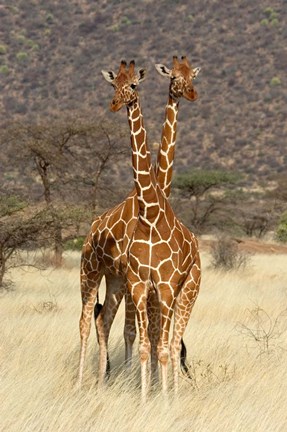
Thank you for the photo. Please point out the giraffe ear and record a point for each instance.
(163, 70)
(109, 75)
(141, 75)
(196, 72)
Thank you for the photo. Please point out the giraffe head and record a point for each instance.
(125, 84)
(181, 75)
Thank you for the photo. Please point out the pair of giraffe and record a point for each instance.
(140, 246)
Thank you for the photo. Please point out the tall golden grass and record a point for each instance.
(239, 381)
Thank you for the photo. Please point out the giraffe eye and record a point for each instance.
(133, 86)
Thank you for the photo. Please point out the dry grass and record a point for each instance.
(237, 386)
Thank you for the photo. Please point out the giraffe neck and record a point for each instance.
(144, 175)
(165, 155)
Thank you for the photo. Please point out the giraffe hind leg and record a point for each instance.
(153, 312)
(129, 329)
(97, 310)
(183, 307)
(115, 289)
(183, 364)
(166, 301)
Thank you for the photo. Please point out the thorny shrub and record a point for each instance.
(227, 256)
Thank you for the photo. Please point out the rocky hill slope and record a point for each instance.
(52, 52)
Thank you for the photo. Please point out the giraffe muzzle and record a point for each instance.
(115, 105)
(191, 95)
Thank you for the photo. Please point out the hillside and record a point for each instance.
(52, 52)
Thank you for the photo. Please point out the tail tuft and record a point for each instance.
(183, 364)
(97, 309)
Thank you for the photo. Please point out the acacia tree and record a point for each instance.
(251, 212)
(105, 146)
(20, 225)
(255, 223)
(199, 187)
(47, 147)
(259, 211)
(69, 156)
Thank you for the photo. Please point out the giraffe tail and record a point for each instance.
(183, 364)
(97, 309)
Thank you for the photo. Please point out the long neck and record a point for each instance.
(165, 154)
(144, 175)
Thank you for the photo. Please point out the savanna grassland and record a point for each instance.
(236, 352)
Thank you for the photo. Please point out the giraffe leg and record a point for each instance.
(138, 290)
(153, 312)
(130, 329)
(166, 301)
(183, 308)
(90, 282)
(115, 289)
(97, 309)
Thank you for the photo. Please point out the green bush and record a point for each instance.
(50, 18)
(30, 43)
(21, 39)
(126, 21)
(274, 22)
(75, 244)
(4, 70)
(269, 11)
(271, 17)
(276, 81)
(11, 204)
(281, 232)
(190, 17)
(264, 22)
(35, 47)
(3, 49)
(22, 56)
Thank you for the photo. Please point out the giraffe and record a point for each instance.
(162, 254)
(104, 251)
(181, 78)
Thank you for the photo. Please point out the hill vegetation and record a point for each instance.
(52, 52)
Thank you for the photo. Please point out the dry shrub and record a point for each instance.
(227, 256)
(267, 332)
